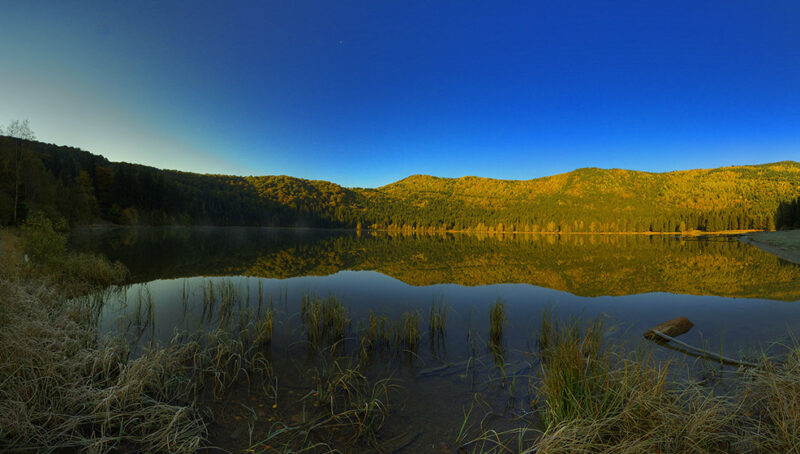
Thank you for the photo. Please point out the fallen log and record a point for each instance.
(672, 328)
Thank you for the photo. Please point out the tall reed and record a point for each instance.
(438, 318)
(497, 322)
(407, 334)
(325, 319)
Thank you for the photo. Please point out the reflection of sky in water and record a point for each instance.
(729, 323)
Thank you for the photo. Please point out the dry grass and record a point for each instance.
(61, 388)
(634, 409)
(64, 388)
(599, 400)
(771, 396)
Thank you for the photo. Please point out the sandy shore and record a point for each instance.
(784, 244)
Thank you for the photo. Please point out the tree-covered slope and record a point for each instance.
(82, 188)
(594, 199)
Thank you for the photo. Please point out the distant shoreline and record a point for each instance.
(691, 233)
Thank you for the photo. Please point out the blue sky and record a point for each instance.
(365, 93)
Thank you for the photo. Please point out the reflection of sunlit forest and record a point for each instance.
(586, 265)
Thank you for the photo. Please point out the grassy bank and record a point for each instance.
(788, 239)
(784, 243)
(61, 386)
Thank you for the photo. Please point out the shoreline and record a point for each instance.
(689, 233)
(783, 244)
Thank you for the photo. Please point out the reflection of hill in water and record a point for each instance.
(586, 265)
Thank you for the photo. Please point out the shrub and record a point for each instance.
(41, 240)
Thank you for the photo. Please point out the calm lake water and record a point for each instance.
(740, 299)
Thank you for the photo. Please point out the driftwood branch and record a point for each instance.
(704, 353)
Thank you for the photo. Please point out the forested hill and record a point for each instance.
(82, 187)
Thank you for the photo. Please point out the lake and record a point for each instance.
(740, 299)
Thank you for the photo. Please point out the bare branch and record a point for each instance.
(20, 130)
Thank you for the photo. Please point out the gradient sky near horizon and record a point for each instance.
(365, 93)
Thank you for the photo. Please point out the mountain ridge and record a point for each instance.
(422, 176)
(83, 187)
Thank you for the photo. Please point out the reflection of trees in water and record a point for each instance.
(587, 265)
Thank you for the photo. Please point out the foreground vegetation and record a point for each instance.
(63, 387)
(85, 188)
(595, 399)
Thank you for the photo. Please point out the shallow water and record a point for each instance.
(740, 299)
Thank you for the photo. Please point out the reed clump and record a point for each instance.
(407, 334)
(497, 322)
(264, 328)
(438, 318)
(594, 398)
(376, 336)
(343, 411)
(325, 319)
